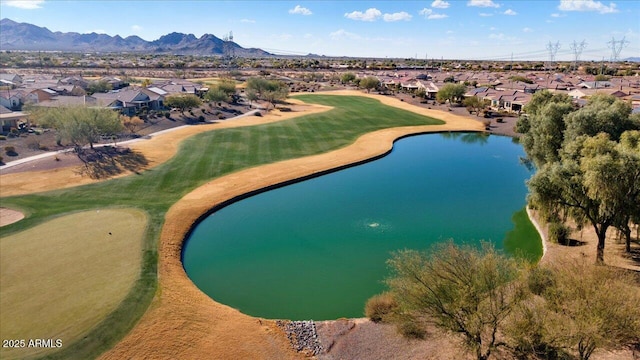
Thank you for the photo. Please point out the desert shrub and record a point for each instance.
(1, 160)
(500, 120)
(380, 307)
(33, 145)
(10, 150)
(411, 329)
(201, 118)
(258, 114)
(539, 280)
(559, 232)
(43, 147)
(2, 137)
(530, 330)
(167, 115)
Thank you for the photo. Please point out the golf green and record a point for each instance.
(317, 249)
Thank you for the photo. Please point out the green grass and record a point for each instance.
(524, 240)
(200, 159)
(106, 265)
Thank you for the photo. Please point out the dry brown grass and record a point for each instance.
(57, 284)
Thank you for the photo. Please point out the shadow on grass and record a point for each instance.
(109, 161)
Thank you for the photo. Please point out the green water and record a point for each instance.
(317, 249)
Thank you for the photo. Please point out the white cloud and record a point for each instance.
(556, 15)
(510, 12)
(439, 4)
(300, 10)
(371, 14)
(136, 27)
(343, 34)
(248, 21)
(527, 30)
(497, 36)
(429, 14)
(399, 16)
(587, 5)
(23, 4)
(483, 3)
(485, 14)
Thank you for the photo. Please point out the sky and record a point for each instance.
(435, 29)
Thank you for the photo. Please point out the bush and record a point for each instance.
(258, 114)
(559, 233)
(1, 160)
(2, 137)
(201, 118)
(539, 280)
(410, 329)
(380, 307)
(10, 150)
(167, 115)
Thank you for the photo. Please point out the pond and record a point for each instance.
(317, 249)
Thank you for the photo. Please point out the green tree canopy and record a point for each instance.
(473, 103)
(347, 77)
(268, 90)
(182, 101)
(466, 291)
(79, 125)
(369, 83)
(451, 92)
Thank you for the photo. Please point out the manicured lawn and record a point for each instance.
(200, 159)
(58, 283)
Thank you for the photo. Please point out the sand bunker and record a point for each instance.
(9, 216)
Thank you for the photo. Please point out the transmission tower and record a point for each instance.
(228, 49)
(616, 48)
(577, 51)
(553, 50)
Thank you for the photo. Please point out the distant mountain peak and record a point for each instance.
(25, 36)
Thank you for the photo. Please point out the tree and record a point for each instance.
(216, 95)
(227, 86)
(80, 125)
(101, 86)
(581, 176)
(132, 124)
(347, 77)
(182, 102)
(252, 96)
(543, 127)
(588, 185)
(461, 290)
(451, 93)
(268, 90)
(146, 83)
(473, 103)
(369, 82)
(597, 309)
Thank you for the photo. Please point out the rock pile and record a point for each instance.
(302, 335)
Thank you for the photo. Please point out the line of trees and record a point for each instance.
(588, 162)
(497, 303)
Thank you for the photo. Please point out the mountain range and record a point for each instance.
(24, 36)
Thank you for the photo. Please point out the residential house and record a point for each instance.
(10, 119)
(39, 95)
(128, 102)
(64, 100)
(12, 99)
(11, 79)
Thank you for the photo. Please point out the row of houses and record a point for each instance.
(507, 91)
(48, 91)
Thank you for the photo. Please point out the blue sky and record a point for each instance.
(450, 29)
